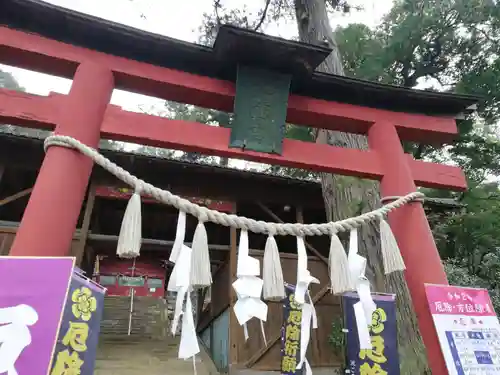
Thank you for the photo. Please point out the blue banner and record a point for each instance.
(383, 358)
(76, 346)
(290, 333)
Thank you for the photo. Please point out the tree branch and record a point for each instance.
(263, 16)
(419, 152)
(216, 9)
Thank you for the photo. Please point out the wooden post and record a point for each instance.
(16, 196)
(79, 250)
(50, 218)
(234, 328)
(300, 219)
(413, 234)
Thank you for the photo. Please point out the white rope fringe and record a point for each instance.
(338, 265)
(201, 274)
(222, 218)
(393, 261)
(272, 274)
(130, 237)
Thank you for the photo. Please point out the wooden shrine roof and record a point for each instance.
(39, 17)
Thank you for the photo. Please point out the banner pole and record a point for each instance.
(131, 302)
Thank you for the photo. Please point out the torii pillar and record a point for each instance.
(414, 236)
(50, 218)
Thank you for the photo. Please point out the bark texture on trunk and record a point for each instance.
(348, 196)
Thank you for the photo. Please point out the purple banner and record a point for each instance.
(383, 358)
(290, 333)
(77, 343)
(32, 297)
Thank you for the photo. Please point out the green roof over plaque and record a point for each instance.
(263, 82)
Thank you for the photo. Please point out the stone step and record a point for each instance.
(150, 349)
(140, 357)
(149, 317)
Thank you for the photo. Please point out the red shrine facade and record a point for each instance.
(146, 277)
(120, 276)
(99, 58)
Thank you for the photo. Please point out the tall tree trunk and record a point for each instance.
(347, 196)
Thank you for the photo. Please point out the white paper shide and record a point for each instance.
(248, 288)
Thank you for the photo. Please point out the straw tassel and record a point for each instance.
(272, 274)
(338, 265)
(129, 240)
(393, 261)
(201, 275)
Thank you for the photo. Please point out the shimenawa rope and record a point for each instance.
(197, 268)
(205, 214)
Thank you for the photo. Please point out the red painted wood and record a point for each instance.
(438, 176)
(413, 234)
(355, 119)
(111, 266)
(23, 109)
(50, 218)
(191, 136)
(33, 52)
(112, 192)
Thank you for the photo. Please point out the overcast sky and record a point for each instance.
(180, 21)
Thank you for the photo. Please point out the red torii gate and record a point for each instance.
(51, 215)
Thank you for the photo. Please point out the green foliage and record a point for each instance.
(336, 339)
(451, 44)
(459, 274)
(362, 53)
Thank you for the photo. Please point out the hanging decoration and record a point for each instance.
(201, 274)
(248, 288)
(393, 261)
(309, 318)
(364, 309)
(192, 265)
(180, 234)
(272, 273)
(338, 265)
(188, 346)
(130, 237)
(304, 277)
